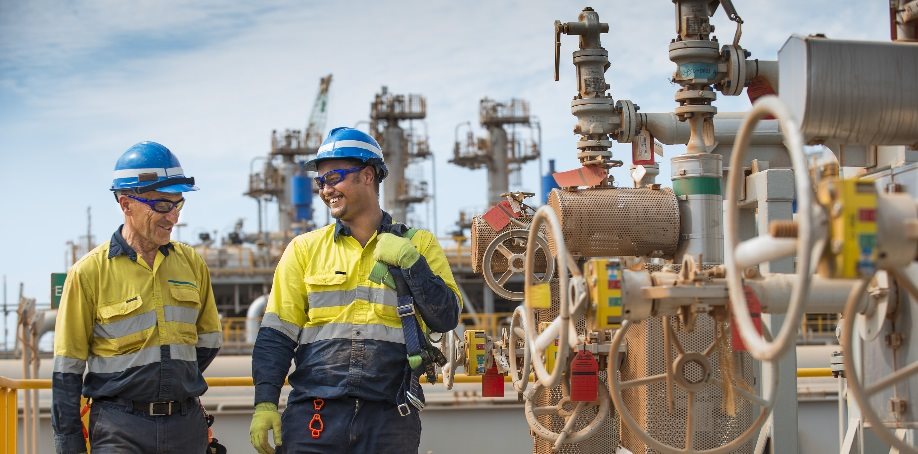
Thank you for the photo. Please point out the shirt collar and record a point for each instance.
(119, 246)
(385, 226)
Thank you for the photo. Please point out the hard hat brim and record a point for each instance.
(177, 188)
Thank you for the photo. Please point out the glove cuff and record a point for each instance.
(265, 406)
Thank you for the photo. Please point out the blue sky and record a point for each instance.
(81, 81)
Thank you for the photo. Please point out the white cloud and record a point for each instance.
(83, 81)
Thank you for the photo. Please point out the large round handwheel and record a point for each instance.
(454, 351)
(570, 416)
(515, 262)
(519, 331)
(861, 392)
(672, 378)
(560, 331)
(764, 248)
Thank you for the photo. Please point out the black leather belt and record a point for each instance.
(161, 408)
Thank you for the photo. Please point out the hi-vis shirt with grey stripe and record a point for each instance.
(139, 332)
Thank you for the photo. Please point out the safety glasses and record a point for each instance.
(160, 205)
(333, 177)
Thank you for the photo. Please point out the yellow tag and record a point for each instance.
(538, 296)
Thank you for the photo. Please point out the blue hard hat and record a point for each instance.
(149, 166)
(350, 143)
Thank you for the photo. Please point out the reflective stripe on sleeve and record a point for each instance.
(271, 320)
(183, 352)
(349, 331)
(124, 327)
(67, 365)
(210, 340)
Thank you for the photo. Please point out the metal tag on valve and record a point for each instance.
(492, 383)
(538, 296)
(584, 377)
(503, 365)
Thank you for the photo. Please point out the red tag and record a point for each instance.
(755, 311)
(584, 176)
(642, 152)
(499, 215)
(492, 383)
(584, 377)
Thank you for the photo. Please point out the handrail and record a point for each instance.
(9, 387)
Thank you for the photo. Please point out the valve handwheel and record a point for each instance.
(560, 331)
(740, 255)
(691, 383)
(508, 245)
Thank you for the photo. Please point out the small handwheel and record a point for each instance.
(561, 330)
(764, 248)
(511, 246)
(569, 415)
(861, 391)
(454, 351)
(675, 375)
(519, 333)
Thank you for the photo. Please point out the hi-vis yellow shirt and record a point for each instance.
(343, 329)
(141, 333)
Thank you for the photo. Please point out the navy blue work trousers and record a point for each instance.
(351, 426)
(115, 427)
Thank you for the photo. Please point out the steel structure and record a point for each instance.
(401, 149)
(501, 152)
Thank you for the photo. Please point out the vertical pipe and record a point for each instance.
(396, 161)
(498, 171)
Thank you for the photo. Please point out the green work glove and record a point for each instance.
(395, 250)
(266, 418)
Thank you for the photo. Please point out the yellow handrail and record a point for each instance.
(9, 395)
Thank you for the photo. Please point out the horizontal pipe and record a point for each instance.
(825, 296)
(666, 128)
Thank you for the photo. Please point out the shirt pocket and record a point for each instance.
(384, 301)
(326, 293)
(125, 321)
(184, 312)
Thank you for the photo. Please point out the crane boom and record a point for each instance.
(315, 127)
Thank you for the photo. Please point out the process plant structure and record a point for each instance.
(404, 150)
(665, 319)
(513, 139)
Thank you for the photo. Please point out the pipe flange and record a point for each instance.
(735, 81)
(628, 129)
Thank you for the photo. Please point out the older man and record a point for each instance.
(139, 311)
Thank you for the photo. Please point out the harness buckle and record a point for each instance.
(405, 310)
(418, 403)
(154, 406)
(403, 410)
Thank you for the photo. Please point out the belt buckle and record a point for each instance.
(403, 410)
(153, 411)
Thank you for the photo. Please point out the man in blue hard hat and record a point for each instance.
(342, 306)
(138, 316)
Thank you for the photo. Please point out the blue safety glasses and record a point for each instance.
(162, 206)
(333, 177)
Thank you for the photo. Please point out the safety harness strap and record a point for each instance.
(410, 390)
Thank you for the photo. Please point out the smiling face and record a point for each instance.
(147, 229)
(352, 195)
